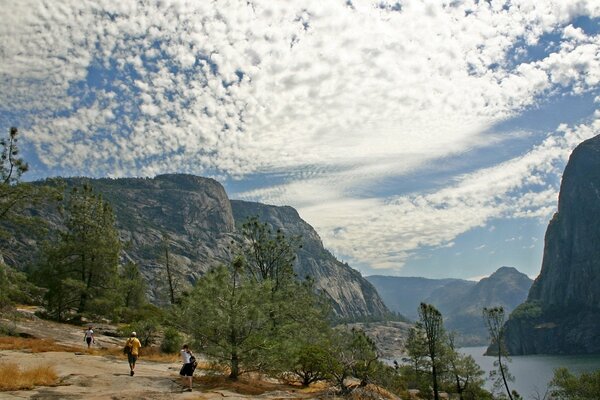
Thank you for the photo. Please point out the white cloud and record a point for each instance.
(331, 96)
(385, 232)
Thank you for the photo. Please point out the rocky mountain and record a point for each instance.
(200, 221)
(562, 312)
(404, 294)
(461, 302)
(506, 287)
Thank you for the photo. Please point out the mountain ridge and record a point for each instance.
(198, 216)
(461, 301)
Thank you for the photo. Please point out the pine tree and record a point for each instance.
(494, 321)
(80, 269)
(432, 324)
(227, 314)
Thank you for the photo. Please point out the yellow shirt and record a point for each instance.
(135, 345)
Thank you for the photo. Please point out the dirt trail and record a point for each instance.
(83, 375)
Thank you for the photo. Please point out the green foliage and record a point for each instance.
(432, 326)
(80, 270)
(15, 196)
(352, 354)
(269, 256)
(172, 341)
(567, 386)
(228, 316)
(11, 166)
(15, 288)
(147, 330)
(527, 310)
(131, 287)
(465, 376)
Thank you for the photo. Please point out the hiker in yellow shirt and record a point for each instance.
(132, 347)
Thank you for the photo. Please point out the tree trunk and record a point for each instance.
(169, 278)
(502, 373)
(235, 368)
(436, 394)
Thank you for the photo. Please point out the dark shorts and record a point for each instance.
(187, 370)
(88, 340)
(131, 358)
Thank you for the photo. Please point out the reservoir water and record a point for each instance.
(532, 373)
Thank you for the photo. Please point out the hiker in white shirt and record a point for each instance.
(89, 337)
(189, 365)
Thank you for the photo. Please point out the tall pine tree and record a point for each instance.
(80, 269)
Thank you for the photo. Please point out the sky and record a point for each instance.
(419, 138)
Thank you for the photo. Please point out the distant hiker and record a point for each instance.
(132, 347)
(88, 337)
(189, 365)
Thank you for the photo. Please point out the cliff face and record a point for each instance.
(562, 312)
(353, 295)
(198, 217)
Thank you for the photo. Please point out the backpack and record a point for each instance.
(127, 348)
(193, 361)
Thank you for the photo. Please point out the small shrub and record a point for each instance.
(172, 341)
(14, 378)
(527, 310)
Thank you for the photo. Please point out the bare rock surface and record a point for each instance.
(83, 375)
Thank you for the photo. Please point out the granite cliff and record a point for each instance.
(201, 222)
(562, 312)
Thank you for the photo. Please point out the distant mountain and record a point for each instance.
(506, 287)
(460, 301)
(404, 294)
(202, 223)
(562, 312)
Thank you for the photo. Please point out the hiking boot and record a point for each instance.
(131, 373)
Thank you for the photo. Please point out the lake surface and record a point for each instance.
(532, 373)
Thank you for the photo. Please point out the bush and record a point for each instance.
(172, 341)
(147, 331)
(527, 310)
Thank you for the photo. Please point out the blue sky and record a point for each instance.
(418, 137)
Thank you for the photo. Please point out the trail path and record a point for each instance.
(86, 376)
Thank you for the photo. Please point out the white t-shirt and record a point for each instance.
(89, 333)
(185, 356)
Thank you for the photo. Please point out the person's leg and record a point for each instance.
(131, 358)
(133, 364)
(190, 382)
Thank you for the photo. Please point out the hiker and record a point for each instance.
(88, 337)
(189, 365)
(132, 347)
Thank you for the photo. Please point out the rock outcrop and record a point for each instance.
(198, 217)
(562, 312)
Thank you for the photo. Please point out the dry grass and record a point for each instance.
(249, 386)
(33, 345)
(14, 378)
(146, 353)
